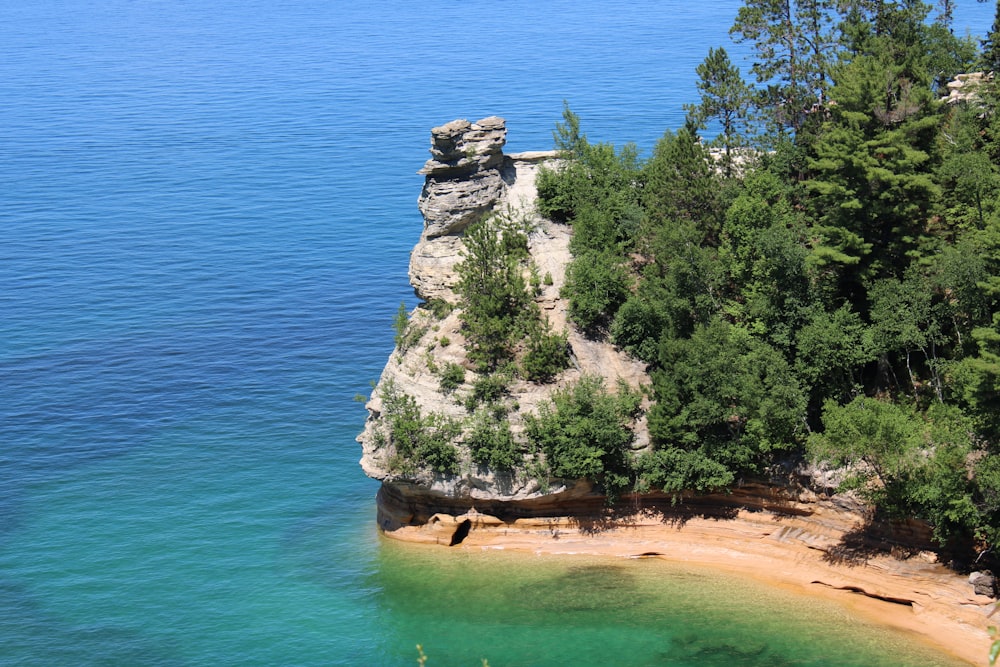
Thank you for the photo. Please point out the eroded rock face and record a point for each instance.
(793, 520)
(466, 177)
(464, 155)
(965, 87)
(983, 583)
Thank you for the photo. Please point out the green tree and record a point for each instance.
(452, 376)
(870, 25)
(991, 45)
(585, 433)
(882, 435)
(968, 176)
(491, 442)
(679, 184)
(764, 252)
(596, 285)
(680, 288)
(419, 441)
(567, 137)
(546, 355)
(976, 378)
(911, 464)
(725, 97)
(407, 334)
(728, 395)
(904, 320)
(832, 349)
(792, 41)
(674, 470)
(592, 176)
(496, 305)
(872, 190)
(637, 327)
(946, 13)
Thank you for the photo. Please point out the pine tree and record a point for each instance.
(991, 45)
(794, 43)
(770, 25)
(724, 97)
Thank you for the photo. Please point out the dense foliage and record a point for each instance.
(585, 432)
(824, 283)
(418, 439)
(497, 308)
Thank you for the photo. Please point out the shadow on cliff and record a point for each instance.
(880, 536)
(610, 519)
(665, 509)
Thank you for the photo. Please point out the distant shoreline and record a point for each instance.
(912, 594)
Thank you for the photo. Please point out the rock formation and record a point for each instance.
(466, 177)
(797, 529)
(983, 583)
(965, 87)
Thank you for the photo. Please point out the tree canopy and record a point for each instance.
(836, 296)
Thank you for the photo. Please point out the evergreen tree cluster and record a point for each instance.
(821, 280)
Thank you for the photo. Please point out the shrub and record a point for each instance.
(596, 285)
(536, 280)
(547, 355)
(400, 323)
(491, 442)
(440, 308)
(418, 440)
(585, 433)
(637, 327)
(406, 333)
(674, 470)
(452, 375)
(436, 448)
(488, 389)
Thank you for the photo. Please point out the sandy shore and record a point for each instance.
(798, 553)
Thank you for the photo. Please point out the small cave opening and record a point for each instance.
(461, 532)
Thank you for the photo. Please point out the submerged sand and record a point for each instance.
(910, 592)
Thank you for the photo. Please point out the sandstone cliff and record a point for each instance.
(467, 177)
(794, 530)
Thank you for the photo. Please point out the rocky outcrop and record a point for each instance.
(468, 176)
(796, 530)
(983, 583)
(965, 87)
(465, 178)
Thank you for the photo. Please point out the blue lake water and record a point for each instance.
(206, 210)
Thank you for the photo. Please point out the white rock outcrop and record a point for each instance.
(467, 177)
(965, 87)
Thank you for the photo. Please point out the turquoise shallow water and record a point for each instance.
(578, 610)
(205, 215)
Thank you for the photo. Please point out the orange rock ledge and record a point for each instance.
(807, 544)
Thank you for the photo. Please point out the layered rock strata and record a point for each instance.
(466, 177)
